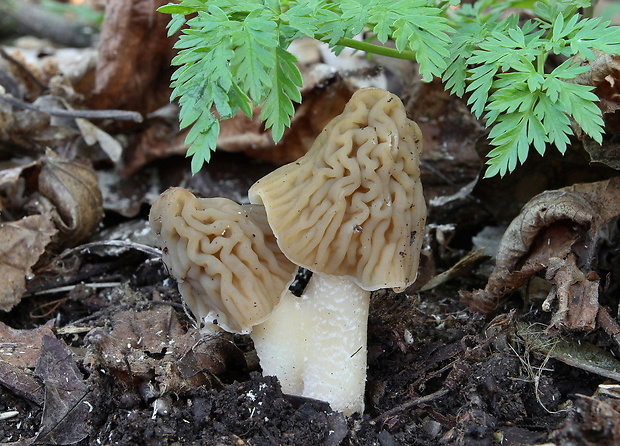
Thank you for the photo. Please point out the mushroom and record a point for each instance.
(224, 256)
(351, 210)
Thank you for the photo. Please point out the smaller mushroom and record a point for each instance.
(224, 256)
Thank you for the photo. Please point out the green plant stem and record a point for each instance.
(540, 63)
(376, 49)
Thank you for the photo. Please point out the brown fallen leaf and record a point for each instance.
(19, 352)
(22, 382)
(555, 231)
(22, 348)
(13, 187)
(74, 191)
(22, 242)
(66, 411)
(152, 346)
(574, 295)
(323, 99)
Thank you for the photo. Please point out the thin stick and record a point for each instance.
(414, 402)
(118, 115)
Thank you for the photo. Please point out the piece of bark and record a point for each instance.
(133, 69)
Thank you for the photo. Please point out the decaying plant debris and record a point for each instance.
(510, 341)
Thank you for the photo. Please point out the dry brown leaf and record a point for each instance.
(21, 244)
(160, 139)
(21, 381)
(19, 352)
(22, 348)
(74, 191)
(13, 187)
(575, 295)
(323, 99)
(152, 344)
(604, 76)
(555, 231)
(138, 342)
(67, 413)
(93, 135)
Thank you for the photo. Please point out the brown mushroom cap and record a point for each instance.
(353, 205)
(224, 255)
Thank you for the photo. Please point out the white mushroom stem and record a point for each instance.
(316, 344)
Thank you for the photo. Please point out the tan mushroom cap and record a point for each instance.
(224, 255)
(353, 205)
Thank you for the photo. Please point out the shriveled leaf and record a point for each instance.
(574, 295)
(544, 236)
(74, 191)
(21, 244)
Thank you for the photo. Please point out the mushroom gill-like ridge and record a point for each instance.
(324, 210)
(224, 255)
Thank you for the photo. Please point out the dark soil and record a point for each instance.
(437, 375)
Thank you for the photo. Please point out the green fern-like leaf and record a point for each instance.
(278, 107)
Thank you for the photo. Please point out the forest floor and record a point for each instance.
(509, 342)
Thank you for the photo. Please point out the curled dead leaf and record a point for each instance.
(556, 231)
(21, 244)
(74, 191)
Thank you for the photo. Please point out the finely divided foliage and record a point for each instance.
(233, 57)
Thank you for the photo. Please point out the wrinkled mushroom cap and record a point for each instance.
(224, 255)
(353, 205)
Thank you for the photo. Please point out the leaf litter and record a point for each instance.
(96, 346)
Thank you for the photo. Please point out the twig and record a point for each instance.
(171, 304)
(118, 115)
(608, 324)
(153, 252)
(62, 289)
(414, 402)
